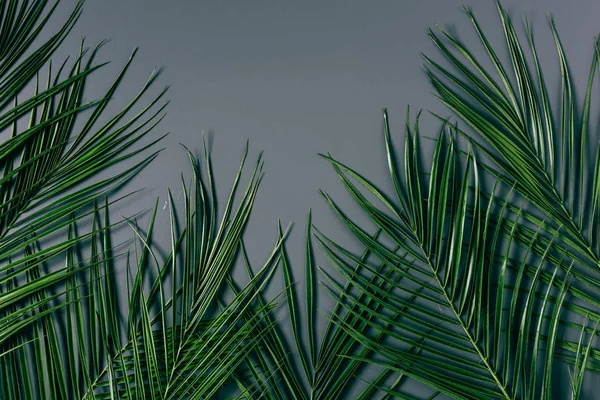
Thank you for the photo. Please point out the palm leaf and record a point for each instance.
(45, 192)
(201, 349)
(540, 151)
(457, 312)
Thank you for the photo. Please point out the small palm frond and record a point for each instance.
(195, 343)
(330, 366)
(448, 304)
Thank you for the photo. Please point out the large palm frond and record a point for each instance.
(46, 162)
(546, 153)
(454, 300)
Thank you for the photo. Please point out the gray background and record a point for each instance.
(296, 78)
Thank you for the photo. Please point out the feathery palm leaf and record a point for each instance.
(548, 155)
(449, 306)
(46, 163)
(194, 344)
(44, 190)
(178, 340)
(322, 367)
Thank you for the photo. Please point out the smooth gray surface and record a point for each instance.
(296, 79)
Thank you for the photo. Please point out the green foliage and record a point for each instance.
(484, 292)
(458, 289)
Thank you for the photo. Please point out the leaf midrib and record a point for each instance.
(465, 329)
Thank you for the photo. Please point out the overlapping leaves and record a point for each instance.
(468, 290)
(50, 150)
(546, 153)
(456, 302)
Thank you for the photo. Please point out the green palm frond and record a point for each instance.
(327, 366)
(546, 153)
(179, 339)
(45, 190)
(478, 291)
(188, 349)
(448, 304)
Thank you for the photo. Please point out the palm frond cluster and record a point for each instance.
(478, 277)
